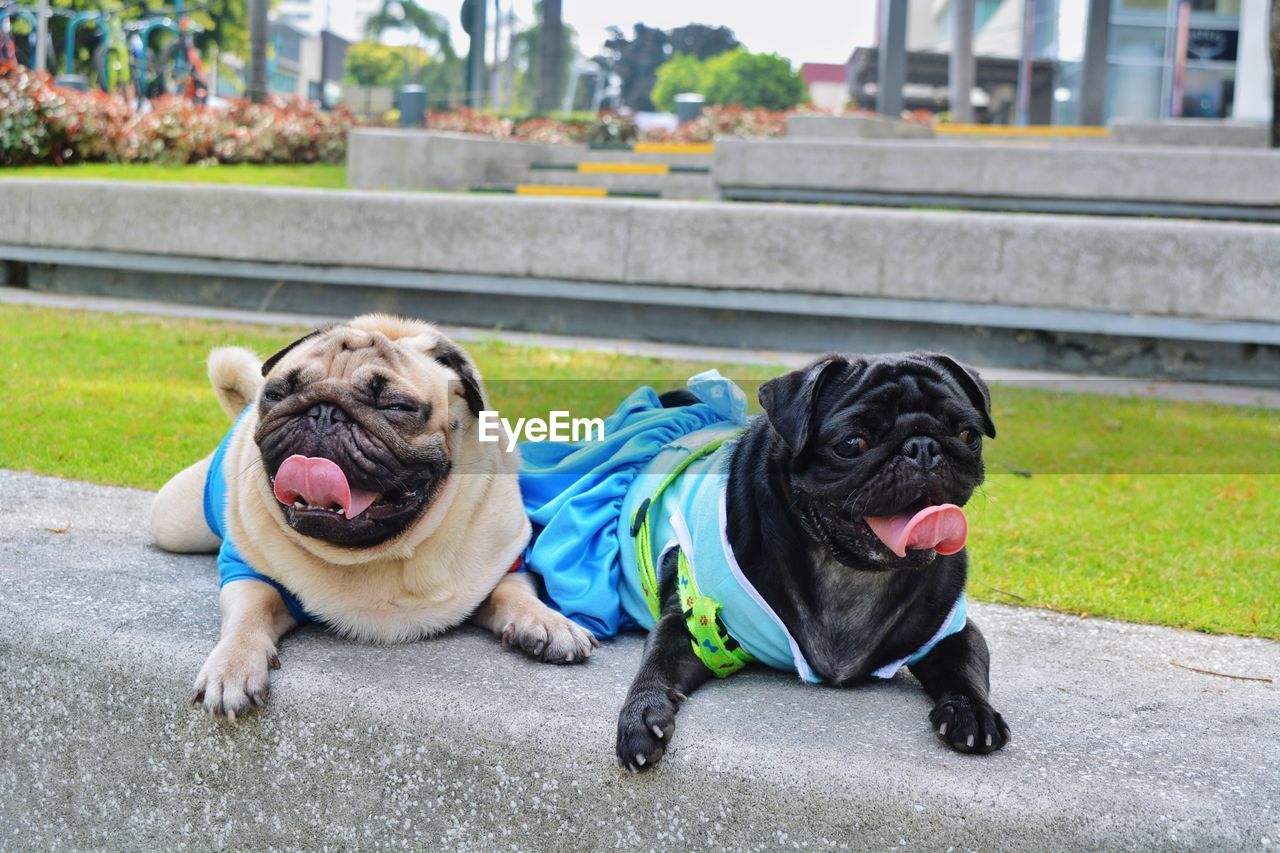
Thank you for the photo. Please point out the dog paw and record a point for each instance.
(645, 727)
(968, 725)
(235, 678)
(550, 637)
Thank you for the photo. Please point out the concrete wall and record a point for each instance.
(939, 167)
(853, 127)
(388, 159)
(1142, 266)
(1204, 133)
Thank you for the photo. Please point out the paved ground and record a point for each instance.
(1111, 386)
(457, 743)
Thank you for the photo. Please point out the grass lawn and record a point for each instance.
(317, 175)
(1137, 509)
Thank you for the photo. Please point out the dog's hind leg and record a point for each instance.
(177, 515)
(955, 674)
(669, 673)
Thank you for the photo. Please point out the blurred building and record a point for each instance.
(1225, 41)
(828, 84)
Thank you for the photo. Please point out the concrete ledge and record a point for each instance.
(853, 127)
(945, 167)
(987, 335)
(389, 159)
(1193, 270)
(1207, 133)
(456, 743)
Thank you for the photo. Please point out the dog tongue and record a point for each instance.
(942, 528)
(320, 482)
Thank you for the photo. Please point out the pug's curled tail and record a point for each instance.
(236, 375)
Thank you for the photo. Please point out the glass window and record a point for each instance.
(1208, 92)
(1133, 91)
(1137, 42)
(1140, 6)
(1216, 7)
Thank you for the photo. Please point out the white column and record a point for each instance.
(1253, 65)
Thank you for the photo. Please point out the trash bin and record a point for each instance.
(688, 106)
(413, 106)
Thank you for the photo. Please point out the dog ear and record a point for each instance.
(789, 400)
(969, 380)
(270, 363)
(452, 357)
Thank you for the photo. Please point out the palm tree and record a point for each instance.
(429, 29)
(409, 16)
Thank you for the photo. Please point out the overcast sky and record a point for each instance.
(800, 30)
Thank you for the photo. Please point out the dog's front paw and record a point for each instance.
(645, 726)
(235, 678)
(549, 636)
(969, 725)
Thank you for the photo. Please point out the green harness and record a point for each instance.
(712, 644)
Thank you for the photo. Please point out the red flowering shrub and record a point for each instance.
(41, 123)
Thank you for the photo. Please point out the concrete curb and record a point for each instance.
(456, 743)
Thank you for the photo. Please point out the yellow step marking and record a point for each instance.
(949, 129)
(543, 189)
(613, 168)
(674, 148)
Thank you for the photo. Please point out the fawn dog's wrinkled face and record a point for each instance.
(883, 453)
(354, 426)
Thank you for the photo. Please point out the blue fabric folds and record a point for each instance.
(573, 494)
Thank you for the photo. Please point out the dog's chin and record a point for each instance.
(851, 542)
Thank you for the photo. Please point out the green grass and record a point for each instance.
(317, 175)
(1137, 509)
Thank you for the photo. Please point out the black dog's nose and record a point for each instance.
(925, 451)
(324, 416)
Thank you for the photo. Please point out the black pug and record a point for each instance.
(845, 439)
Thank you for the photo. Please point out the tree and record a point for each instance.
(551, 55)
(680, 73)
(372, 64)
(753, 80)
(736, 77)
(636, 62)
(408, 16)
(442, 78)
(527, 47)
(701, 41)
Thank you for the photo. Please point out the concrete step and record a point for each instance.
(455, 743)
(676, 185)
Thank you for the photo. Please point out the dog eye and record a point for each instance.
(271, 395)
(852, 446)
(398, 407)
(970, 437)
